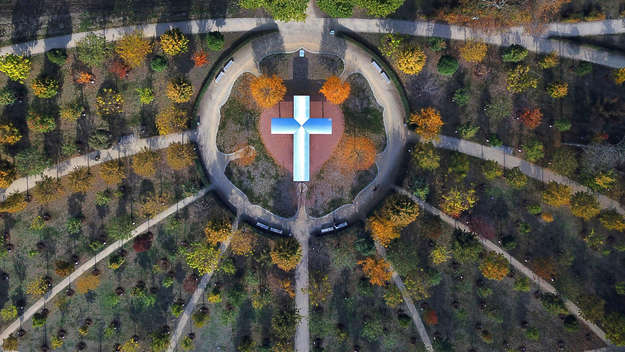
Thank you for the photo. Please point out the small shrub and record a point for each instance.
(522, 284)
(39, 319)
(558, 90)
(461, 96)
(9, 134)
(72, 112)
(563, 125)
(146, 95)
(447, 65)
(100, 139)
(437, 44)
(57, 56)
(179, 90)
(516, 178)
(473, 51)
(550, 61)
(39, 122)
(336, 8)
(215, 41)
(158, 64)
(120, 69)
(583, 68)
(514, 53)
(16, 67)
(410, 60)
(109, 102)
(199, 59)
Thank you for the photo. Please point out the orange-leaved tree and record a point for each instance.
(397, 212)
(494, 266)
(335, 90)
(7, 173)
(531, 118)
(355, 153)
(377, 270)
(200, 58)
(267, 91)
(428, 123)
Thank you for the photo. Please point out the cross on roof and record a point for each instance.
(301, 126)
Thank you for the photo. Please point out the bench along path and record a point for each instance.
(416, 318)
(91, 262)
(118, 151)
(199, 291)
(542, 284)
(504, 157)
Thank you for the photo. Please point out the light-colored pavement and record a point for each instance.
(118, 151)
(504, 157)
(197, 294)
(516, 35)
(416, 318)
(91, 262)
(542, 284)
(301, 232)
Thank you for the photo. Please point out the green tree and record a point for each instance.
(534, 150)
(57, 56)
(336, 8)
(425, 156)
(120, 227)
(516, 178)
(564, 161)
(31, 161)
(372, 330)
(281, 10)
(461, 96)
(8, 312)
(447, 65)
(379, 8)
(514, 53)
(93, 50)
(465, 247)
(499, 108)
(215, 41)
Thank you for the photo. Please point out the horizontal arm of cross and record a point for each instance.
(284, 126)
(318, 126)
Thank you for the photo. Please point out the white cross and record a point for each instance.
(301, 126)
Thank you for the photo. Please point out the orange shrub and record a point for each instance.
(428, 123)
(200, 59)
(355, 153)
(84, 78)
(531, 118)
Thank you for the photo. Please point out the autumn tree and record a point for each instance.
(45, 87)
(335, 90)
(473, 51)
(113, 172)
(267, 91)
(410, 60)
(286, 253)
(80, 179)
(584, 205)
(440, 255)
(612, 220)
(179, 90)
(558, 89)
(199, 59)
(180, 156)
(14, 203)
(619, 76)
(531, 118)
(9, 134)
(40, 122)
(144, 163)
(133, 49)
(494, 266)
(556, 194)
(355, 153)
(217, 231)
(201, 257)
(550, 61)
(171, 120)
(16, 67)
(377, 270)
(120, 69)
(430, 317)
(425, 156)
(109, 102)
(520, 79)
(7, 173)
(428, 123)
(84, 78)
(155, 202)
(455, 201)
(48, 189)
(143, 242)
(385, 224)
(87, 282)
(242, 243)
(173, 42)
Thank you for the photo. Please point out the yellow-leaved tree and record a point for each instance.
(286, 253)
(473, 51)
(133, 48)
(144, 163)
(171, 120)
(556, 194)
(217, 231)
(410, 60)
(455, 201)
(180, 156)
(113, 172)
